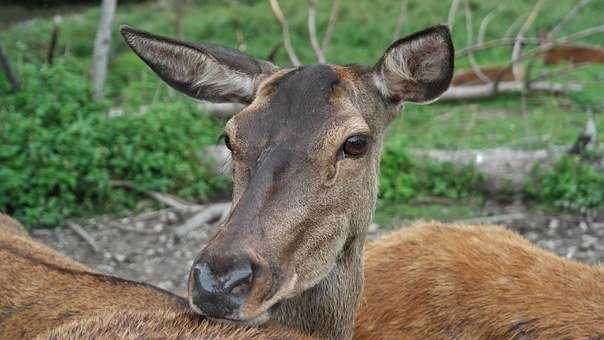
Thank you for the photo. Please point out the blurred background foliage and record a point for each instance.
(59, 150)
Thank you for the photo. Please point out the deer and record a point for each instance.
(439, 281)
(305, 155)
(45, 295)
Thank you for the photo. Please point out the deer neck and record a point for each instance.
(328, 309)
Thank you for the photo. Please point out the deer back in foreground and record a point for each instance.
(48, 296)
(305, 161)
(435, 281)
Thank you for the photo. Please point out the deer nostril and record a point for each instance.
(239, 282)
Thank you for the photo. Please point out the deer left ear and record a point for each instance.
(417, 68)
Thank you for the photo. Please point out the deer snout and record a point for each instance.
(220, 286)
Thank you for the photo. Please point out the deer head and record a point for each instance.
(305, 157)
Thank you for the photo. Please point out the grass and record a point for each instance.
(361, 34)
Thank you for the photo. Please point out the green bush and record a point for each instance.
(405, 177)
(571, 184)
(59, 150)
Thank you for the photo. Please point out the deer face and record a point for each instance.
(305, 160)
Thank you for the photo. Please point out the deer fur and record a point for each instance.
(438, 281)
(44, 295)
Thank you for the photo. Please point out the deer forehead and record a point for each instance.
(308, 107)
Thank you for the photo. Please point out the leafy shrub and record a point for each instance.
(571, 184)
(59, 150)
(405, 177)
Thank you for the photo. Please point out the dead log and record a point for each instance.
(485, 91)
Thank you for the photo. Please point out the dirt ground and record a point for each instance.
(146, 248)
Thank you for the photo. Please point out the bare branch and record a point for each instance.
(517, 49)
(582, 34)
(494, 43)
(508, 32)
(568, 17)
(312, 32)
(101, 48)
(14, 81)
(400, 20)
(452, 12)
(285, 32)
(333, 17)
(484, 91)
(485, 22)
(167, 199)
(205, 216)
(221, 110)
(470, 33)
(84, 236)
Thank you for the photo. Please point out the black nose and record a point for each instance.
(221, 285)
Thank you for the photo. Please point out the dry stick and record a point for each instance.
(517, 49)
(84, 236)
(470, 33)
(312, 32)
(53, 40)
(568, 17)
(528, 40)
(101, 48)
(485, 22)
(333, 17)
(512, 27)
(8, 70)
(483, 91)
(400, 20)
(285, 32)
(169, 200)
(210, 213)
(452, 12)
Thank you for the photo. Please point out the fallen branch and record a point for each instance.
(211, 213)
(84, 236)
(287, 43)
(220, 110)
(167, 199)
(471, 92)
(493, 219)
(470, 33)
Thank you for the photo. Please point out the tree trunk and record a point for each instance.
(8, 70)
(101, 48)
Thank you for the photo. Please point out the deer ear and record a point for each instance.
(209, 72)
(417, 68)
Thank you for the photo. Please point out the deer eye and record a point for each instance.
(227, 142)
(356, 146)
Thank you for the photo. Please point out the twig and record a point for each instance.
(273, 53)
(133, 230)
(483, 91)
(568, 17)
(312, 32)
(54, 38)
(169, 200)
(333, 17)
(494, 218)
(452, 12)
(508, 32)
(517, 49)
(470, 33)
(400, 20)
(494, 43)
(485, 22)
(285, 32)
(210, 213)
(84, 236)
(13, 79)
(582, 34)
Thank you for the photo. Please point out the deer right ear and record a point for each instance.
(209, 72)
(417, 68)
